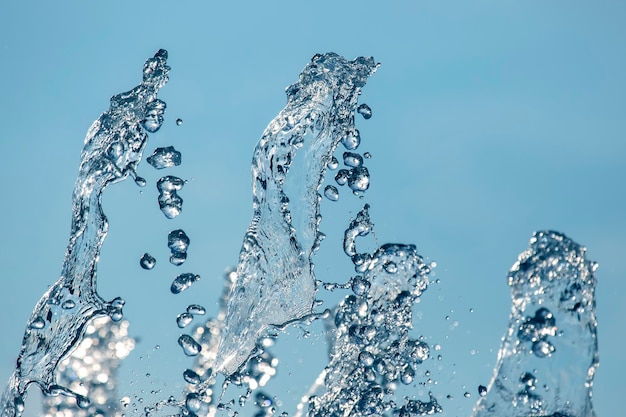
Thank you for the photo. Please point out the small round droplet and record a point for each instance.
(331, 193)
(82, 402)
(467, 395)
(482, 390)
(407, 376)
(147, 261)
(37, 323)
(365, 111)
(190, 346)
(184, 319)
(179, 122)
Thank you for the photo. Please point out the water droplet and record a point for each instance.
(82, 402)
(352, 139)
(196, 309)
(342, 176)
(190, 346)
(164, 158)
(467, 394)
(367, 155)
(179, 122)
(184, 319)
(193, 402)
(360, 286)
(37, 323)
(331, 193)
(147, 261)
(263, 400)
(140, 181)
(352, 159)
(68, 304)
(191, 377)
(170, 203)
(333, 163)
(178, 241)
(115, 309)
(153, 118)
(183, 281)
(359, 179)
(482, 390)
(365, 111)
(408, 374)
(366, 358)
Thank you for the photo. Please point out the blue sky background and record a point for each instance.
(491, 120)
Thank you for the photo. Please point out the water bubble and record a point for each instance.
(37, 323)
(331, 193)
(164, 158)
(147, 261)
(365, 111)
(183, 281)
(333, 163)
(196, 309)
(179, 122)
(184, 319)
(153, 118)
(68, 304)
(367, 155)
(191, 377)
(352, 139)
(342, 176)
(359, 179)
(352, 159)
(190, 346)
(482, 390)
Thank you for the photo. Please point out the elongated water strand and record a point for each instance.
(113, 148)
(549, 354)
(275, 282)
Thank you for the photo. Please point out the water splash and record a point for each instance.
(549, 354)
(275, 282)
(113, 148)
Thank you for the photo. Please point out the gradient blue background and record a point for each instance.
(492, 119)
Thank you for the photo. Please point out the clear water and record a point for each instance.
(545, 366)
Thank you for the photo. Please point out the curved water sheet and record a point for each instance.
(113, 148)
(549, 354)
(274, 282)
